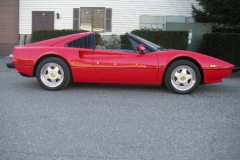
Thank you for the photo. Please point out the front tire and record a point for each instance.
(53, 74)
(182, 77)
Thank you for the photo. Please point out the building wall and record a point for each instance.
(125, 13)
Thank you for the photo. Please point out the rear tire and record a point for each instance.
(182, 77)
(53, 74)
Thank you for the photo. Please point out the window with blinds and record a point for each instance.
(96, 19)
(83, 42)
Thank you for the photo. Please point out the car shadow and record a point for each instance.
(213, 88)
(32, 84)
(114, 87)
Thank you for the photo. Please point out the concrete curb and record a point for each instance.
(235, 74)
(9, 56)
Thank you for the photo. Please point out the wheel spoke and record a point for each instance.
(58, 76)
(54, 81)
(46, 76)
(185, 84)
(49, 69)
(56, 69)
(178, 75)
(184, 71)
(177, 82)
(189, 76)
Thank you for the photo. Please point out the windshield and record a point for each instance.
(150, 44)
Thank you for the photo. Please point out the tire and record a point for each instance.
(53, 74)
(182, 77)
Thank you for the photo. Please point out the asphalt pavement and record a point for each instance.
(94, 121)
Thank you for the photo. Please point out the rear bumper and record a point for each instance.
(215, 76)
(25, 70)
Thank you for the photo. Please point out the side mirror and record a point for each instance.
(141, 48)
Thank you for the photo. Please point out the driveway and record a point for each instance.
(93, 121)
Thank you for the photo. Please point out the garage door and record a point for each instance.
(9, 22)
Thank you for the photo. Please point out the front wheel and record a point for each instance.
(182, 76)
(53, 74)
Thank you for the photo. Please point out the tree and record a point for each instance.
(223, 14)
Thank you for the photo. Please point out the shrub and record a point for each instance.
(168, 39)
(40, 35)
(112, 43)
(125, 44)
(223, 46)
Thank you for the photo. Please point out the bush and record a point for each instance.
(125, 44)
(223, 46)
(168, 39)
(112, 43)
(40, 35)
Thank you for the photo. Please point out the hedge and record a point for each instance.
(40, 35)
(125, 44)
(168, 39)
(223, 46)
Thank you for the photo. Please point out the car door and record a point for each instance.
(125, 65)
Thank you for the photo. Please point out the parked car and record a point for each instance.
(84, 58)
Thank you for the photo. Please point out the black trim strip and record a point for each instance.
(235, 69)
(24, 66)
(123, 68)
(217, 69)
(115, 68)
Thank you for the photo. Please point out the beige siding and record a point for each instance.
(125, 13)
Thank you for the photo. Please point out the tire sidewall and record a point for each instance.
(65, 68)
(176, 64)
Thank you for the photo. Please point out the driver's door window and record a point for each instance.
(125, 63)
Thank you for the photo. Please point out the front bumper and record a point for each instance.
(215, 76)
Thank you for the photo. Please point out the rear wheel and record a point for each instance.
(53, 74)
(182, 76)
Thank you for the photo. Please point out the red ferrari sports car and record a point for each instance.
(84, 58)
